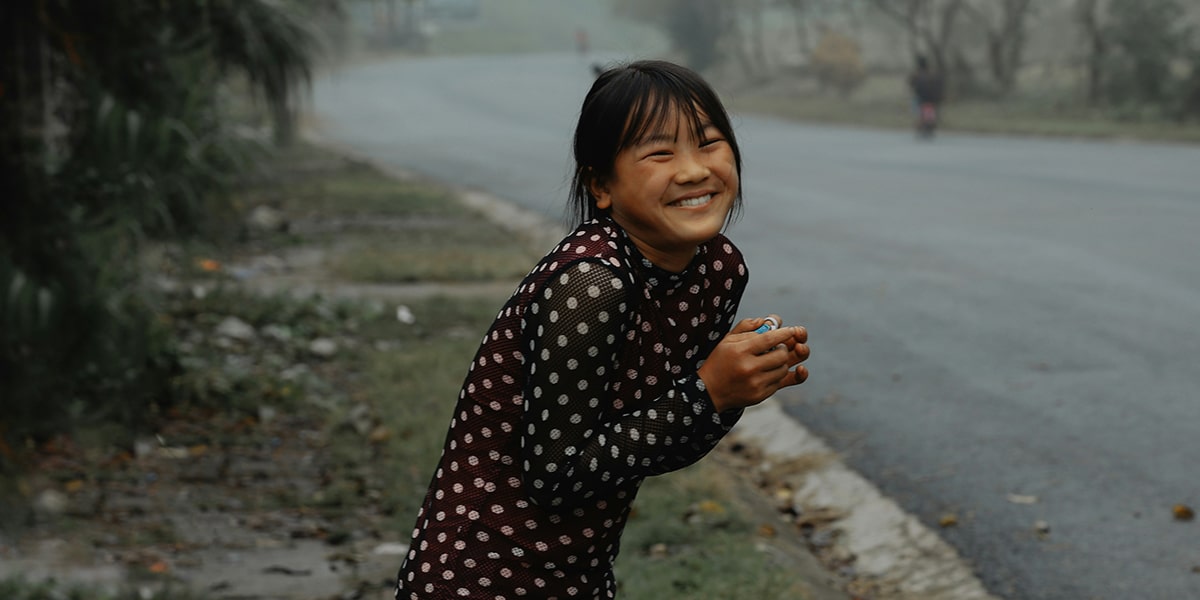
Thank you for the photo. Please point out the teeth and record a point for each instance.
(695, 201)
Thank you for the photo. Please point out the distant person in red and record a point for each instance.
(581, 41)
(927, 88)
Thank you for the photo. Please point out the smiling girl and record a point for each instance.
(617, 358)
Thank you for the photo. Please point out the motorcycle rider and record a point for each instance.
(927, 88)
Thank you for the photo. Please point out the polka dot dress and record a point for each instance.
(584, 386)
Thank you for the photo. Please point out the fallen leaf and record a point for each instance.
(74, 485)
(160, 567)
(1041, 527)
(766, 530)
(1183, 512)
(379, 435)
(948, 520)
(208, 265)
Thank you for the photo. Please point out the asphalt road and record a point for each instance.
(989, 316)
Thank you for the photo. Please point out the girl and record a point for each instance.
(614, 360)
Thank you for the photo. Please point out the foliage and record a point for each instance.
(837, 62)
(112, 131)
(1146, 38)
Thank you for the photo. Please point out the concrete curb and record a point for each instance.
(891, 549)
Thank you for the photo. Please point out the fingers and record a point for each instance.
(794, 377)
(748, 325)
(767, 341)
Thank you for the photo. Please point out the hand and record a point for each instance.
(746, 368)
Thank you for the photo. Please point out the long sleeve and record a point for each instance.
(573, 445)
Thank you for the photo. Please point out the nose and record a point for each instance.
(692, 168)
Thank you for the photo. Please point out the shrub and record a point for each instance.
(837, 63)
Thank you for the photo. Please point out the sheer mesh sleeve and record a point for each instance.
(571, 447)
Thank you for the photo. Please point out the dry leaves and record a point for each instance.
(1183, 512)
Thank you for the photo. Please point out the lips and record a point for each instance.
(690, 202)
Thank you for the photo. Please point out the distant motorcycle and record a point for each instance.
(927, 119)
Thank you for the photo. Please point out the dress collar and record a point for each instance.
(655, 276)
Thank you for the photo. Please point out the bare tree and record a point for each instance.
(1004, 25)
(1089, 16)
(930, 25)
(810, 18)
(747, 38)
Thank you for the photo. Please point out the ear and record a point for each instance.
(600, 193)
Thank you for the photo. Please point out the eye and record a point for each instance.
(710, 141)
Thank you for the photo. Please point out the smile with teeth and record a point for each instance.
(698, 201)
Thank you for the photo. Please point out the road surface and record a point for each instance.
(1004, 329)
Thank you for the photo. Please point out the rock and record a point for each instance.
(278, 333)
(405, 315)
(360, 419)
(265, 218)
(235, 328)
(390, 549)
(51, 502)
(323, 347)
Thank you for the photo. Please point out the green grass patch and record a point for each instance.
(689, 538)
(365, 190)
(414, 387)
(469, 250)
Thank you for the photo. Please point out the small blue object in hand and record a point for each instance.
(771, 323)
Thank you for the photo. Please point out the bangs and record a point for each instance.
(655, 115)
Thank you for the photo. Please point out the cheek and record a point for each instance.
(732, 180)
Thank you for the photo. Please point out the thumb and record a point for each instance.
(748, 325)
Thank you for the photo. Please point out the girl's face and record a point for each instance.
(671, 191)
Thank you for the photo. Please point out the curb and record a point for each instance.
(888, 547)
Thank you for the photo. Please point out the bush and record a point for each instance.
(837, 63)
(112, 131)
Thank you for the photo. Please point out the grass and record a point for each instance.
(1040, 108)
(444, 252)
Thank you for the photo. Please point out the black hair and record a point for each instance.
(627, 102)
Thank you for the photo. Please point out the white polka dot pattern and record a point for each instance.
(584, 386)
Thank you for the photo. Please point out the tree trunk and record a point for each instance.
(23, 130)
(1086, 14)
(1005, 41)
